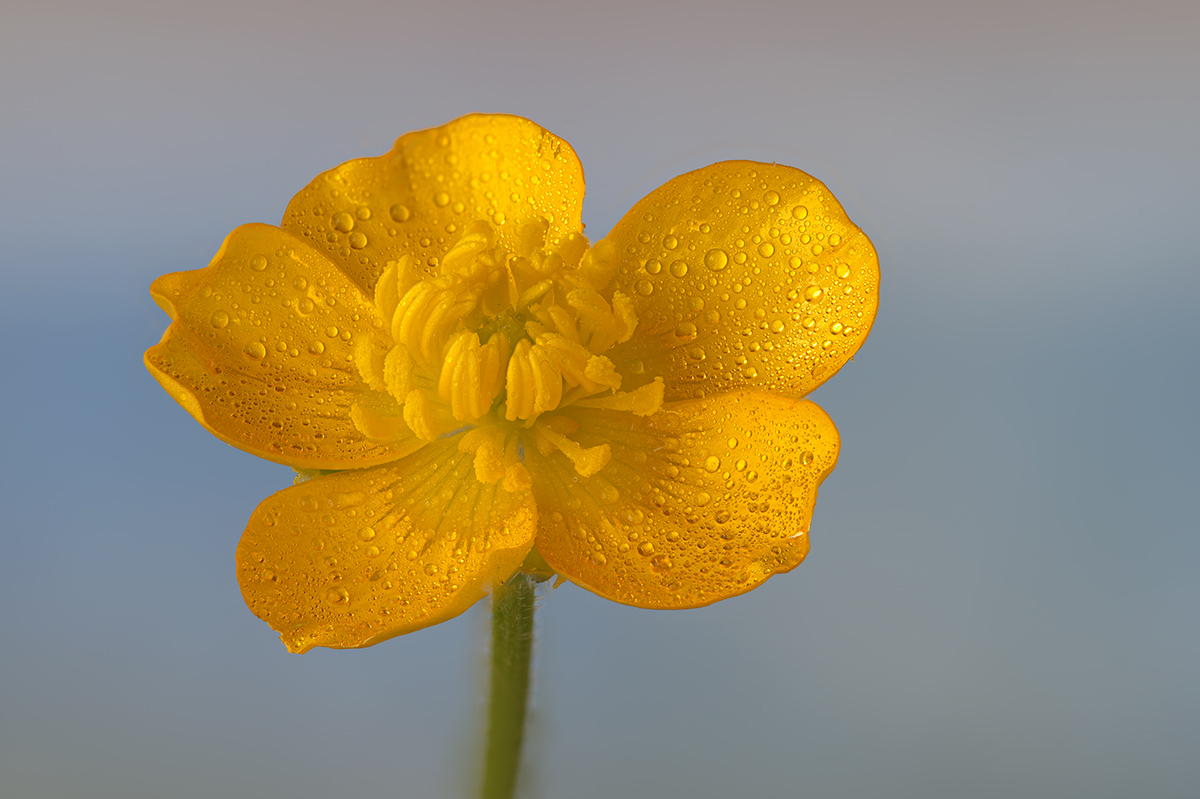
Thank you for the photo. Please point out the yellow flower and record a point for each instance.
(429, 336)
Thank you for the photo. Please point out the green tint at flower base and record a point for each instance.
(493, 392)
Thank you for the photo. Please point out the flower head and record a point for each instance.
(468, 386)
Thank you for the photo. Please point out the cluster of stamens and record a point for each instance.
(496, 342)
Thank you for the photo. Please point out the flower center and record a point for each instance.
(497, 342)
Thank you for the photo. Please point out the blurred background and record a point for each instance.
(1002, 597)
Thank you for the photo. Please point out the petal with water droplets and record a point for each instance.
(743, 275)
(261, 352)
(417, 199)
(354, 558)
(700, 502)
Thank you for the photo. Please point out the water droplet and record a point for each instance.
(836, 328)
(716, 260)
(338, 596)
(366, 534)
(685, 330)
(702, 499)
(807, 458)
(777, 326)
(371, 551)
(258, 263)
(357, 240)
(660, 562)
(751, 476)
(316, 348)
(609, 495)
(808, 322)
(441, 199)
(670, 242)
(842, 271)
(696, 353)
(399, 212)
(430, 569)
(712, 463)
(835, 240)
(342, 221)
(766, 249)
(771, 198)
(255, 350)
(299, 283)
(678, 268)
(813, 293)
(644, 287)
(653, 266)
(799, 212)
(305, 305)
(363, 212)
(498, 218)
(219, 319)
(645, 548)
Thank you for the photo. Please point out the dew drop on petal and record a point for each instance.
(399, 213)
(716, 259)
(219, 319)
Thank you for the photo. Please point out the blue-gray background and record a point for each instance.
(1002, 597)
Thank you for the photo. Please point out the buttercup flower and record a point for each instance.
(474, 388)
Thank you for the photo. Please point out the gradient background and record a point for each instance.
(1003, 596)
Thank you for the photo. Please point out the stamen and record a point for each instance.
(369, 360)
(587, 461)
(643, 401)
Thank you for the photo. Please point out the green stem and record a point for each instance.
(512, 645)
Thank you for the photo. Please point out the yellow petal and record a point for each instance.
(743, 275)
(417, 199)
(702, 501)
(262, 352)
(354, 558)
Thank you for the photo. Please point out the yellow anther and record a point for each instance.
(562, 321)
(387, 294)
(493, 360)
(587, 461)
(570, 358)
(461, 259)
(601, 372)
(488, 445)
(572, 248)
(532, 236)
(533, 383)
(373, 424)
(533, 293)
(642, 401)
(516, 478)
(369, 360)
(422, 419)
(547, 380)
(599, 264)
(397, 372)
(411, 310)
(626, 318)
